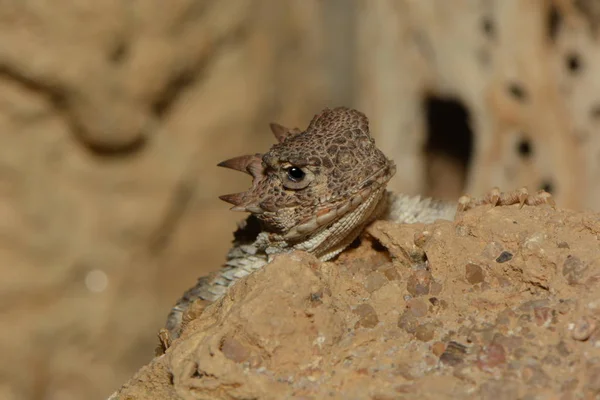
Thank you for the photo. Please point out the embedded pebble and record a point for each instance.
(421, 238)
(367, 316)
(454, 353)
(391, 273)
(473, 273)
(425, 332)
(491, 356)
(543, 316)
(593, 379)
(583, 329)
(234, 350)
(375, 280)
(408, 322)
(435, 288)
(438, 348)
(417, 307)
(418, 284)
(573, 269)
(504, 257)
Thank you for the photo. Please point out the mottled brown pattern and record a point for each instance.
(337, 155)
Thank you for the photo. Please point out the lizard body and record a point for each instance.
(316, 190)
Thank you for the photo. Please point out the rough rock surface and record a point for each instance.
(113, 115)
(500, 304)
(499, 92)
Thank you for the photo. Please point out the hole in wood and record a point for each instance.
(517, 91)
(448, 147)
(525, 148)
(547, 186)
(554, 22)
(487, 24)
(573, 61)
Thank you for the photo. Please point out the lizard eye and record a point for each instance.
(296, 178)
(295, 174)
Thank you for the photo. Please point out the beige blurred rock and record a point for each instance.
(113, 117)
(302, 329)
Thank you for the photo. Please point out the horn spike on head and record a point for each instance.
(236, 199)
(249, 164)
(281, 132)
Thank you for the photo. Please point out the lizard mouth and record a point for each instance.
(373, 186)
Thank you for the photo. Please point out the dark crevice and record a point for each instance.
(488, 27)
(517, 91)
(378, 246)
(595, 111)
(171, 92)
(554, 22)
(573, 63)
(449, 137)
(525, 148)
(134, 146)
(355, 243)
(59, 100)
(119, 53)
(547, 186)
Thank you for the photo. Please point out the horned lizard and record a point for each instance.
(315, 190)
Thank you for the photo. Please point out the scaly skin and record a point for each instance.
(316, 190)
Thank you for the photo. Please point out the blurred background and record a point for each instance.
(114, 114)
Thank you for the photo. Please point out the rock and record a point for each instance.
(269, 338)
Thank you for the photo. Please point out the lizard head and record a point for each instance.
(312, 178)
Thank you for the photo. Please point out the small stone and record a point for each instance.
(438, 348)
(462, 230)
(417, 307)
(534, 375)
(563, 245)
(551, 360)
(454, 353)
(420, 239)
(573, 270)
(504, 257)
(375, 280)
(473, 273)
(367, 316)
(505, 317)
(593, 379)
(234, 350)
(583, 329)
(316, 297)
(543, 316)
(418, 283)
(408, 322)
(531, 305)
(391, 274)
(435, 288)
(563, 349)
(491, 356)
(425, 332)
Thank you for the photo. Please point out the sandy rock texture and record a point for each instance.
(113, 116)
(497, 92)
(501, 304)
